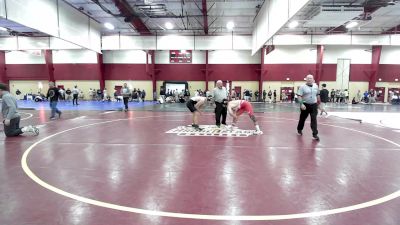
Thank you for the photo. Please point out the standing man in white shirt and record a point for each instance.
(309, 99)
(220, 95)
(75, 95)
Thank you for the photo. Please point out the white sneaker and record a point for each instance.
(258, 132)
(35, 131)
(32, 130)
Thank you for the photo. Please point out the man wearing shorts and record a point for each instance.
(194, 105)
(324, 94)
(238, 107)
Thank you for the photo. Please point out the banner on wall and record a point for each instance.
(180, 56)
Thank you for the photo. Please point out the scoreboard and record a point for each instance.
(180, 56)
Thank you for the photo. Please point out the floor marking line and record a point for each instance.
(30, 174)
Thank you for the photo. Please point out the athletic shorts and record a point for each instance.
(190, 104)
(245, 107)
(322, 106)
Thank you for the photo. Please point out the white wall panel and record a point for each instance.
(241, 42)
(74, 26)
(370, 40)
(213, 42)
(2, 9)
(27, 43)
(278, 12)
(37, 14)
(357, 54)
(95, 36)
(395, 40)
(254, 38)
(292, 55)
(338, 39)
(233, 57)
(390, 55)
(199, 57)
(278, 15)
(125, 56)
(175, 42)
(292, 39)
(138, 42)
(57, 43)
(162, 57)
(262, 25)
(74, 56)
(110, 42)
(33, 43)
(19, 57)
(8, 43)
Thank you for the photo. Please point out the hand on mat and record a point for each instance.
(303, 107)
(6, 122)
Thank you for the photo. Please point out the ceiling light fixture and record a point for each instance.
(230, 25)
(293, 24)
(3, 29)
(169, 25)
(351, 24)
(109, 26)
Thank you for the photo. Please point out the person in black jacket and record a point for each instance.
(53, 94)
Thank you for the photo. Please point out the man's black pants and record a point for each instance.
(311, 109)
(220, 109)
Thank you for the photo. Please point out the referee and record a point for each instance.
(309, 99)
(220, 95)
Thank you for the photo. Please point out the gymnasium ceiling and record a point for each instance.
(210, 17)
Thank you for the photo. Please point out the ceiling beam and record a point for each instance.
(130, 16)
(205, 17)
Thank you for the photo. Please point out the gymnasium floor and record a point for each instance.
(97, 166)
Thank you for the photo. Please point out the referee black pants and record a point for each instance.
(311, 109)
(220, 110)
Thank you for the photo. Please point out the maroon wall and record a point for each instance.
(125, 72)
(3, 75)
(26, 72)
(238, 72)
(389, 72)
(180, 72)
(296, 72)
(195, 72)
(76, 72)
